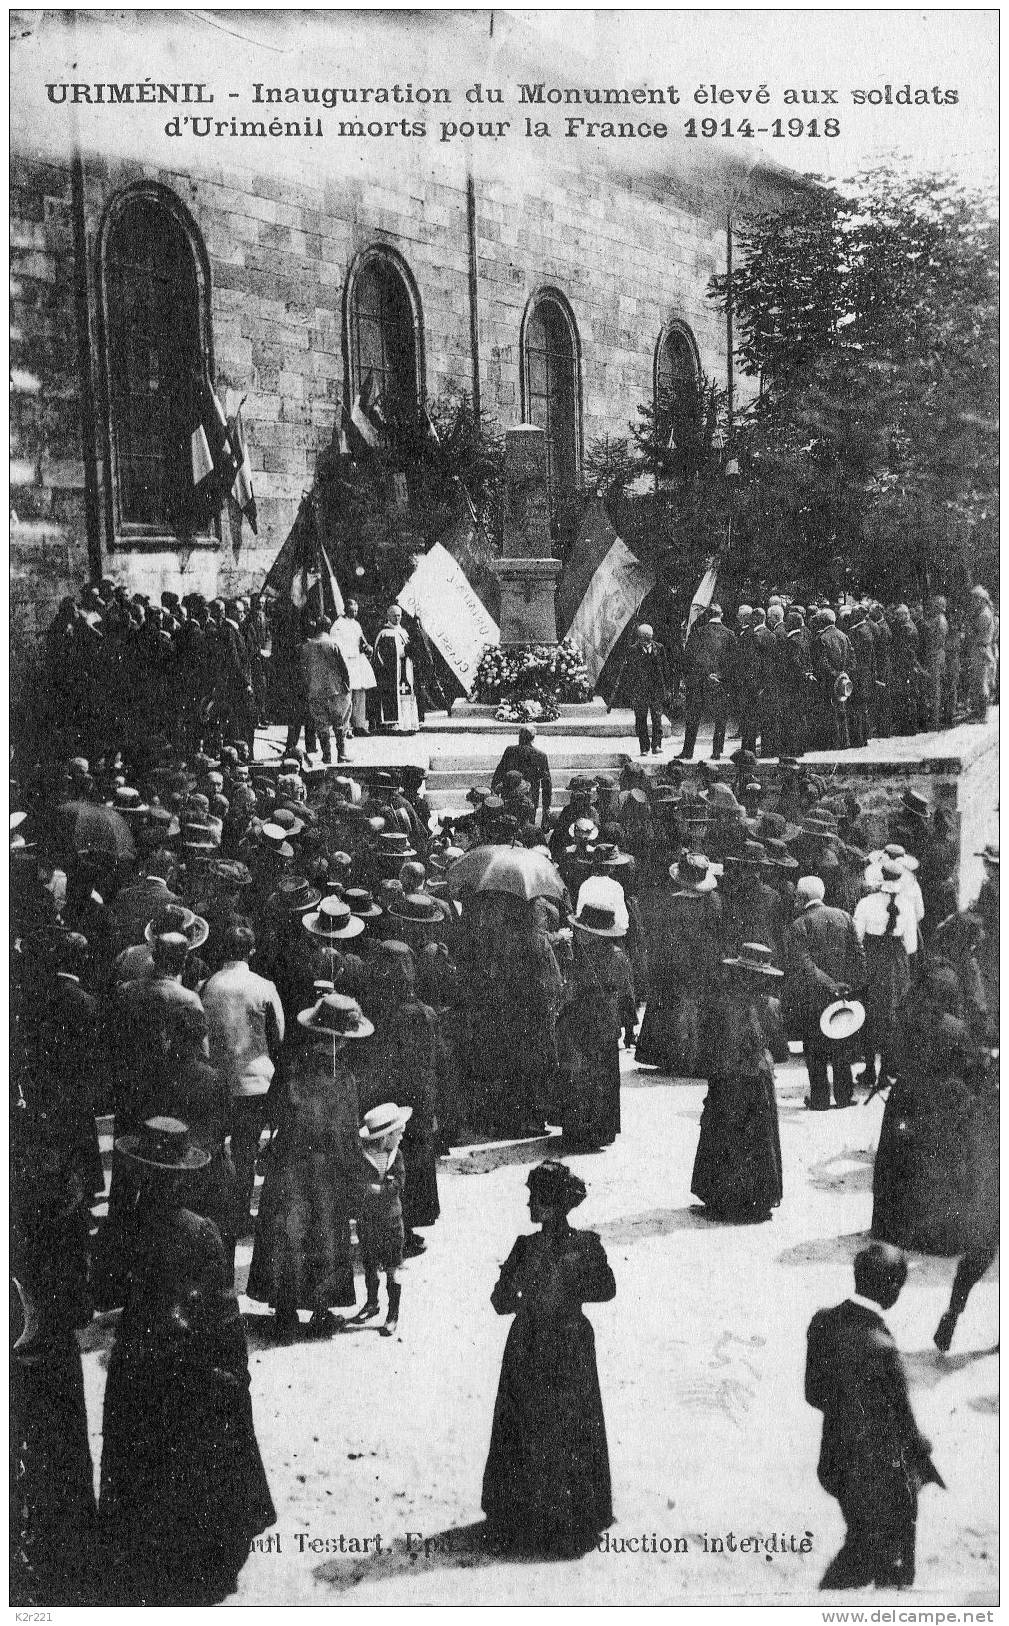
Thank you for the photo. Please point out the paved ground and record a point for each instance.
(701, 1366)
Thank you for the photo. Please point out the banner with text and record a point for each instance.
(440, 596)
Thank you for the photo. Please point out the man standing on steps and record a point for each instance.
(648, 686)
(709, 669)
(526, 759)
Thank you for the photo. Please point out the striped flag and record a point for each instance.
(705, 592)
(302, 571)
(366, 414)
(602, 585)
(241, 491)
(212, 459)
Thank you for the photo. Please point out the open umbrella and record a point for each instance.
(521, 871)
(89, 827)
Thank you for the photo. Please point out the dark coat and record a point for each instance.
(645, 678)
(710, 653)
(534, 767)
(135, 906)
(872, 1449)
(822, 954)
(546, 1486)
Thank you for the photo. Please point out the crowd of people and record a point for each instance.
(313, 974)
(118, 667)
(819, 677)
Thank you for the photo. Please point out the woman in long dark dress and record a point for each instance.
(183, 1489)
(588, 1029)
(737, 1169)
(302, 1259)
(546, 1486)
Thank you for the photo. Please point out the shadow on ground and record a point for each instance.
(463, 1547)
(847, 1170)
(654, 1222)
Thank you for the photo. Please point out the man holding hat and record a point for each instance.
(823, 961)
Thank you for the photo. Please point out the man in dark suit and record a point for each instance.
(533, 766)
(873, 1458)
(823, 961)
(709, 672)
(646, 680)
(137, 904)
(863, 698)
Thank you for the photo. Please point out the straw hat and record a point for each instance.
(276, 840)
(337, 1015)
(175, 918)
(598, 920)
(361, 903)
(754, 957)
(842, 1019)
(163, 1143)
(333, 920)
(383, 1120)
(694, 871)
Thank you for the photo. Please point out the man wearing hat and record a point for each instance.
(709, 663)
(579, 806)
(137, 904)
(646, 680)
(531, 764)
(245, 1023)
(823, 961)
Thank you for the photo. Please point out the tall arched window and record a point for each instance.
(676, 397)
(385, 334)
(155, 315)
(550, 383)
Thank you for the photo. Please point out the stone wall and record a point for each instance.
(628, 258)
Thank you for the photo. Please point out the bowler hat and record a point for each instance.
(163, 1143)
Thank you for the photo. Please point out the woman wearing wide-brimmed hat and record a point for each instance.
(598, 990)
(737, 1168)
(183, 1489)
(546, 1486)
(683, 967)
(301, 1259)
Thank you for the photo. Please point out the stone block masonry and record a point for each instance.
(279, 252)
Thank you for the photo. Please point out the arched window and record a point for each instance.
(550, 383)
(385, 334)
(676, 397)
(155, 315)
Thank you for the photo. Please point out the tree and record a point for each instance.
(869, 315)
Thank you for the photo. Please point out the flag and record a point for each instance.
(471, 548)
(302, 571)
(705, 592)
(212, 460)
(602, 585)
(366, 414)
(450, 611)
(241, 491)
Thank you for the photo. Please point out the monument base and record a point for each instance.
(528, 615)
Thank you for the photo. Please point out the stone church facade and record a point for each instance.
(553, 296)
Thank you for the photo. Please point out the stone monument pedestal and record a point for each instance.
(528, 615)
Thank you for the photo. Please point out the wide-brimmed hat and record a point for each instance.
(275, 838)
(842, 1019)
(913, 802)
(585, 830)
(360, 902)
(893, 850)
(693, 870)
(776, 853)
(289, 822)
(128, 803)
(989, 852)
(581, 784)
(163, 1143)
(755, 957)
(333, 920)
(721, 799)
(198, 836)
(383, 780)
(598, 920)
(175, 918)
(296, 895)
(416, 908)
(382, 1120)
(752, 854)
(776, 826)
(338, 1015)
(394, 844)
(230, 872)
